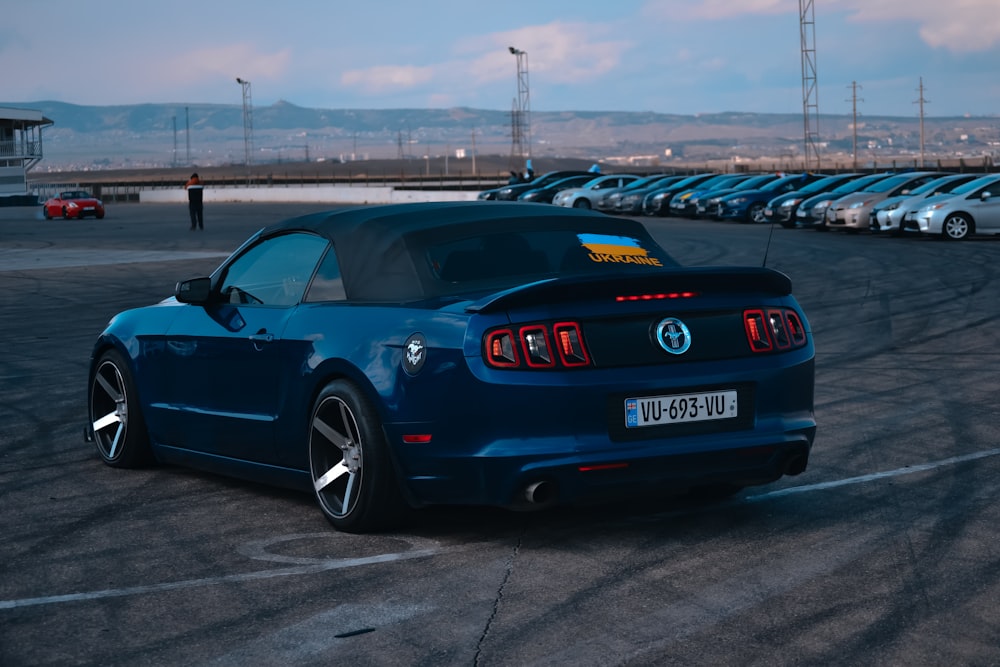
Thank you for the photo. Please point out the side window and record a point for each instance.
(327, 284)
(274, 272)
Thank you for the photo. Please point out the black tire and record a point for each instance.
(64, 215)
(352, 474)
(115, 416)
(45, 213)
(581, 202)
(755, 213)
(957, 227)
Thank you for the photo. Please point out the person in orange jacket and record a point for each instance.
(195, 189)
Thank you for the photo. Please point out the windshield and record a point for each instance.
(752, 183)
(889, 183)
(855, 185)
(780, 183)
(820, 185)
(571, 181)
(972, 186)
(730, 182)
(689, 182)
(931, 185)
(642, 182)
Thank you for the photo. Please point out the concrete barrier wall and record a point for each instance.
(331, 194)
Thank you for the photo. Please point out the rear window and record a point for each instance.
(509, 258)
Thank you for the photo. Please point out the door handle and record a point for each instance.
(260, 338)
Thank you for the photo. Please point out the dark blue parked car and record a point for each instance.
(708, 202)
(511, 192)
(544, 194)
(681, 204)
(495, 353)
(749, 205)
(657, 202)
(630, 203)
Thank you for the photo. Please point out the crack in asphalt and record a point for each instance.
(508, 571)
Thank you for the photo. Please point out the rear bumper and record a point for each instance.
(577, 444)
(533, 482)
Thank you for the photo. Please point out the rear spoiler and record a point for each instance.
(703, 280)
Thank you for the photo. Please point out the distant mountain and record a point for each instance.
(165, 134)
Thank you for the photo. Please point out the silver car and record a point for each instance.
(811, 212)
(976, 210)
(887, 216)
(586, 195)
(851, 211)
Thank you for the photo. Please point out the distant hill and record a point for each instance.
(163, 135)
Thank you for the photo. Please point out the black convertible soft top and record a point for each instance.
(406, 252)
(396, 220)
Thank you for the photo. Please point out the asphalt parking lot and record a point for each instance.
(884, 552)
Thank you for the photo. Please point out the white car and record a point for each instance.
(887, 216)
(976, 210)
(587, 194)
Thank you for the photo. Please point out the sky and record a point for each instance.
(665, 56)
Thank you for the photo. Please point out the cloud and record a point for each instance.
(960, 26)
(231, 60)
(562, 52)
(712, 10)
(387, 78)
(559, 53)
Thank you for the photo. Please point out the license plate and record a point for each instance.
(680, 408)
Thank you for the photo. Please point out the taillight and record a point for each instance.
(501, 350)
(776, 320)
(569, 344)
(773, 329)
(796, 331)
(535, 341)
(540, 346)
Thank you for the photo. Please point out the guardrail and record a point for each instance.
(20, 149)
(129, 190)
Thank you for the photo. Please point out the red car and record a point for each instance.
(73, 204)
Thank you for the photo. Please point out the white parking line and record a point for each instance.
(908, 470)
(321, 566)
(258, 550)
(29, 259)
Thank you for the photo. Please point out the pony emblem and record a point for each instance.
(414, 353)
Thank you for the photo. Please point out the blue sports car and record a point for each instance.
(489, 353)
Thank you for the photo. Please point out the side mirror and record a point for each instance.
(195, 290)
(985, 196)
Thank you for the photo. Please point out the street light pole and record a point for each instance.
(247, 124)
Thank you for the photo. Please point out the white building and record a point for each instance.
(20, 147)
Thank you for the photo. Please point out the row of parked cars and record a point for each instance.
(945, 204)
